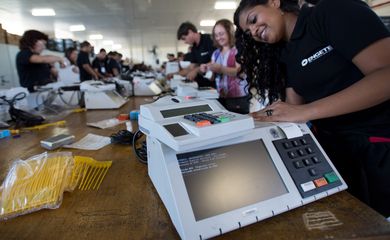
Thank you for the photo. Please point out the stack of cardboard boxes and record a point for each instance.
(3, 35)
(8, 38)
(13, 39)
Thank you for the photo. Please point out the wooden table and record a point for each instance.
(128, 207)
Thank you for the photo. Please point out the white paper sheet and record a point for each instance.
(90, 142)
(290, 129)
(106, 123)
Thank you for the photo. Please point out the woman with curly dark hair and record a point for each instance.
(261, 65)
(336, 76)
(33, 68)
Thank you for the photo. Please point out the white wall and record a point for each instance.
(7, 66)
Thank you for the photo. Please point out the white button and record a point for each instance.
(308, 186)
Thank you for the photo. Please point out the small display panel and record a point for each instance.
(184, 111)
(223, 179)
(176, 130)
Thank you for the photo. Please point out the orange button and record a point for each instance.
(203, 123)
(320, 182)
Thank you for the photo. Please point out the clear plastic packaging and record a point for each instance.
(35, 184)
(39, 182)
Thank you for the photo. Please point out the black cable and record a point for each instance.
(140, 152)
(17, 97)
(61, 91)
(163, 94)
(19, 116)
(122, 137)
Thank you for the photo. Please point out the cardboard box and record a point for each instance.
(3, 35)
(13, 39)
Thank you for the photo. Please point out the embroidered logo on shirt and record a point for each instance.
(317, 55)
(204, 53)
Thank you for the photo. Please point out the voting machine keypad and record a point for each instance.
(206, 119)
(311, 172)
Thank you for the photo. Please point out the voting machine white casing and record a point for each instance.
(184, 90)
(171, 181)
(152, 120)
(98, 95)
(146, 86)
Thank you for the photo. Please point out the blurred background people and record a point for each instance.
(84, 64)
(99, 64)
(112, 66)
(201, 49)
(232, 90)
(33, 68)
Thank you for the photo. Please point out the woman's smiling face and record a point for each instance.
(263, 22)
(221, 36)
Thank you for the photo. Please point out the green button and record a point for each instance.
(224, 119)
(331, 177)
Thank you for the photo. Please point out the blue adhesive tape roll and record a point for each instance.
(5, 133)
(134, 115)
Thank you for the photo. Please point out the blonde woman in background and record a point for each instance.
(233, 93)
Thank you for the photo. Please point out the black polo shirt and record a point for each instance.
(319, 57)
(111, 64)
(83, 58)
(100, 65)
(202, 52)
(31, 74)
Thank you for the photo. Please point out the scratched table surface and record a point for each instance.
(126, 206)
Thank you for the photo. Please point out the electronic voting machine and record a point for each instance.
(216, 171)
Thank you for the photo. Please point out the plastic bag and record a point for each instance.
(35, 184)
(39, 182)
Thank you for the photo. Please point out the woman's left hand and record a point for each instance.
(283, 112)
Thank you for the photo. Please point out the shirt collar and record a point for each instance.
(200, 40)
(300, 25)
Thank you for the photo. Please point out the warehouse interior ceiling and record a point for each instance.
(133, 26)
(129, 23)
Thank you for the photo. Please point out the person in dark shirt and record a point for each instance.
(202, 48)
(337, 77)
(112, 66)
(35, 69)
(86, 71)
(99, 64)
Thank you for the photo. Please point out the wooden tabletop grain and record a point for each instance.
(127, 206)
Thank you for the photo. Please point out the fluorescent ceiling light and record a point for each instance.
(63, 34)
(207, 23)
(39, 12)
(108, 42)
(116, 46)
(96, 36)
(77, 28)
(225, 5)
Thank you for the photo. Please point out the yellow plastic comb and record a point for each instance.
(88, 173)
(35, 184)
